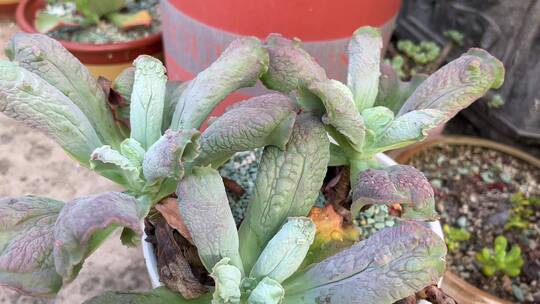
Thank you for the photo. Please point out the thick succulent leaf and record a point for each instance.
(227, 278)
(123, 84)
(84, 223)
(173, 93)
(239, 66)
(364, 60)
(161, 295)
(406, 129)
(26, 244)
(147, 100)
(392, 264)
(93, 9)
(205, 209)
(397, 184)
(341, 112)
(290, 67)
(126, 21)
(268, 291)
(257, 122)
(285, 252)
(26, 97)
(376, 120)
(49, 60)
(287, 185)
(132, 150)
(164, 159)
(337, 156)
(456, 85)
(116, 167)
(392, 91)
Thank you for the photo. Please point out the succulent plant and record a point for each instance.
(44, 242)
(499, 259)
(454, 236)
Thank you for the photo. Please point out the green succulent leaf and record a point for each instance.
(393, 92)
(94, 9)
(376, 121)
(364, 60)
(287, 185)
(173, 93)
(285, 252)
(48, 59)
(456, 85)
(161, 295)
(84, 223)
(204, 207)
(26, 97)
(166, 156)
(123, 83)
(268, 291)
(116, 167)
(257, 122)
(228, 279)
(399, 184)
(133, 151)
(147, 100)
(390, 265)
(26, 246)
(290, 67)
(240, 65)
(341, 112)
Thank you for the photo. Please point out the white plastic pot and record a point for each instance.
(150, 257)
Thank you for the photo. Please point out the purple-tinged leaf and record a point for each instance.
(160, 295)
(164, 159)
(205, 210)
(239, 66)
(49, 60)
(288, 182)
(26, 234)
(364, 61)
(393, 92)
(84, 223)
(116, 167)
(290, 67)
(392, 264)
(397, 184)
(257, 122)
(26, 97)
(458, 84)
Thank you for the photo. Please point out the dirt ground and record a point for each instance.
(31, 163)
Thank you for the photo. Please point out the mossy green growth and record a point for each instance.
(499, 259)
(521, 211)
(454, 236)
(422, 53)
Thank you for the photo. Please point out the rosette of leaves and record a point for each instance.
(261, 262)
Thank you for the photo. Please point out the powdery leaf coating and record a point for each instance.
(285, 252)
(132, 150)
(147, 100)
(287, 185)
(227, 278)
(391, 265)
(399, 184)
(257, 122)
(341, 112)
(364, 60)
(85, 222)
(164, 158)
(26, 234)
(290, 67)
(268, 291)
(239, 66)
(116, 167)
(205, 209)
(27, 98)
(392, 91)
(160, 295)
(456, 85)
(49, 60)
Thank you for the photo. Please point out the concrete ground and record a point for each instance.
(31, 163)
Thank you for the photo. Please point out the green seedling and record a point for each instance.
(422, 53)
(499, 260)
(455, 236)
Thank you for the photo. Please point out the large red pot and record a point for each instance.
(101, 59)
(195, 32)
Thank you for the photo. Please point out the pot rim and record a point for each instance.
(150, 257)
(26, 24)
(452, 282)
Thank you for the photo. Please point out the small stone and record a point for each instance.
(436, 183)
(518, 293)
(462, 221)
(379, 225)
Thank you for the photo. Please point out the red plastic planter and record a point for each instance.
(102, 59)
(195, 32)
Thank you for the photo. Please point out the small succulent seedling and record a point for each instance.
(454, 236)
(44, 242)
(521, 211)
(422, 53)
(498, 259)
(82, 13)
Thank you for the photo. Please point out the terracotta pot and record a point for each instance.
(196, 32)
(7, 7)
(452, 284)
(101, 59)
